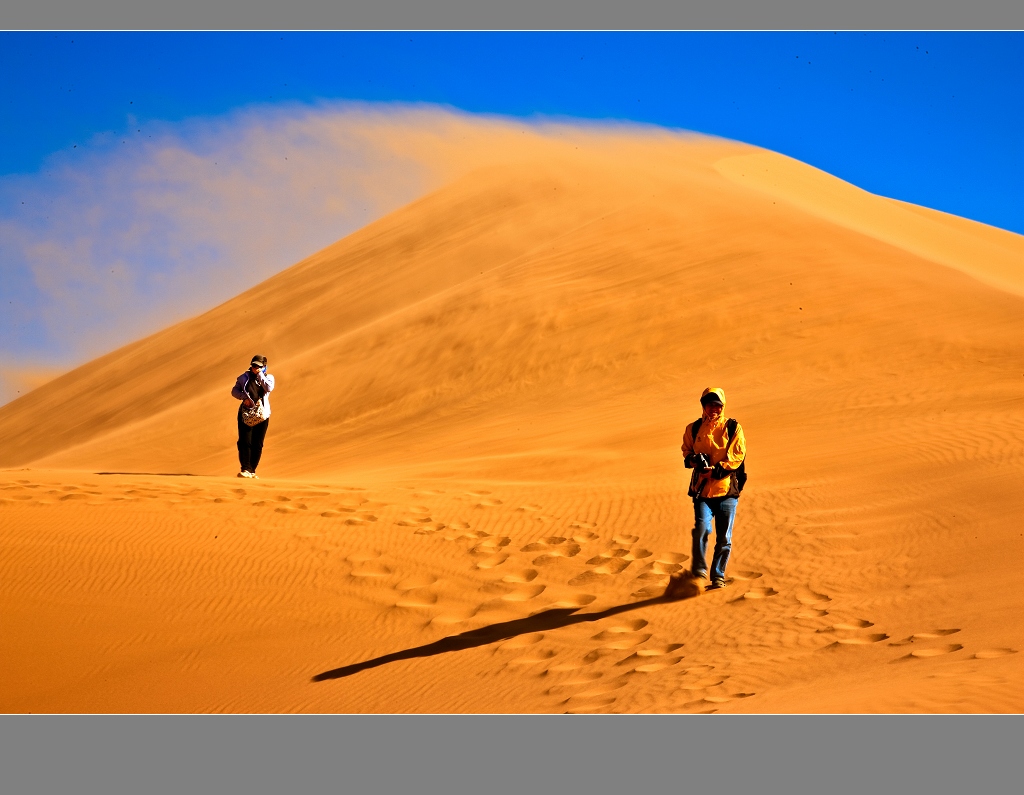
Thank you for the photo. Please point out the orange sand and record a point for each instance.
(477, 423)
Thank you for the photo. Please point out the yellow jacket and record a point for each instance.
(725, 455)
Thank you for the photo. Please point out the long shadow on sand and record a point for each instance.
(541, 622)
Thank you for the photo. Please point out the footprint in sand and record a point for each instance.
(936, 651)
(490, 545)
(575, 600)
(368, 565)
(811, 614)
(860, 640)
(533, 657)
(658, 651)
(371, 569)
(528, 508)
(629, 625)
(612, 566)
(584, 537)
(650, 578)
(416, 581)
(587, 578)
(470, 535)
(621, 639)
(991, 654)
(492, 561)
(599, 653)
(526, 575)
(808, 597)
(448, 618)
(652, 658)
(599, 691)
(626, 540)
(553, 547)
(583, 525)
(608, 554)
(652, 667)
(758, 593)
(924, 636)
(417, 599)
(747, 575)
(543, 544)
(858, 623)
(661, 567)
(552, 555)
(726, 698)
(524, 593)
(702, 684)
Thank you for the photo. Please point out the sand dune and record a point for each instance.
(472, 494)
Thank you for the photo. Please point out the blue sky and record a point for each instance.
(101, 240)
(932, 118)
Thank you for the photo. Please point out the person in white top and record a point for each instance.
(252, 386)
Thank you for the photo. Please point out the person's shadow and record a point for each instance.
(541, 622)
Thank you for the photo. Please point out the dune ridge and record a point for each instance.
(472, 496)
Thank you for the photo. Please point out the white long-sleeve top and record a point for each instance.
(264, 379)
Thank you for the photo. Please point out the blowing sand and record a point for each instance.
(472, 494)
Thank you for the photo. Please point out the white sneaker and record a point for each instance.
(254, 476)
(244, 474)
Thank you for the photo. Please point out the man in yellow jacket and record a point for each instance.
(714, 448)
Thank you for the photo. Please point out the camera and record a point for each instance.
(701, 461)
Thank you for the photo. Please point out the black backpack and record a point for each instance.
(740, 473)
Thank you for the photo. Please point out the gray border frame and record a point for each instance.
(517, 15)
(515, 755)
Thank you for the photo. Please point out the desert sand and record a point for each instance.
(472, 495)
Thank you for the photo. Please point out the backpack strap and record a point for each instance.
(696, 427)
(730, 427)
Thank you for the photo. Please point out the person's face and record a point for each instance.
(714, 410)
(255, 367)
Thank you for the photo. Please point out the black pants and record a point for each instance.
(250, 443)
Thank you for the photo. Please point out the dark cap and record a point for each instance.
(260, 360)
(711, 398)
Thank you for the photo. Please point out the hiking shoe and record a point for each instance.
(718, 583)
(254, 476)
(699, 574)
(243, 474)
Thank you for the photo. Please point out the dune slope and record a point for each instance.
(476, 431)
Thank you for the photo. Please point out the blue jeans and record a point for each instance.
(723, 511)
